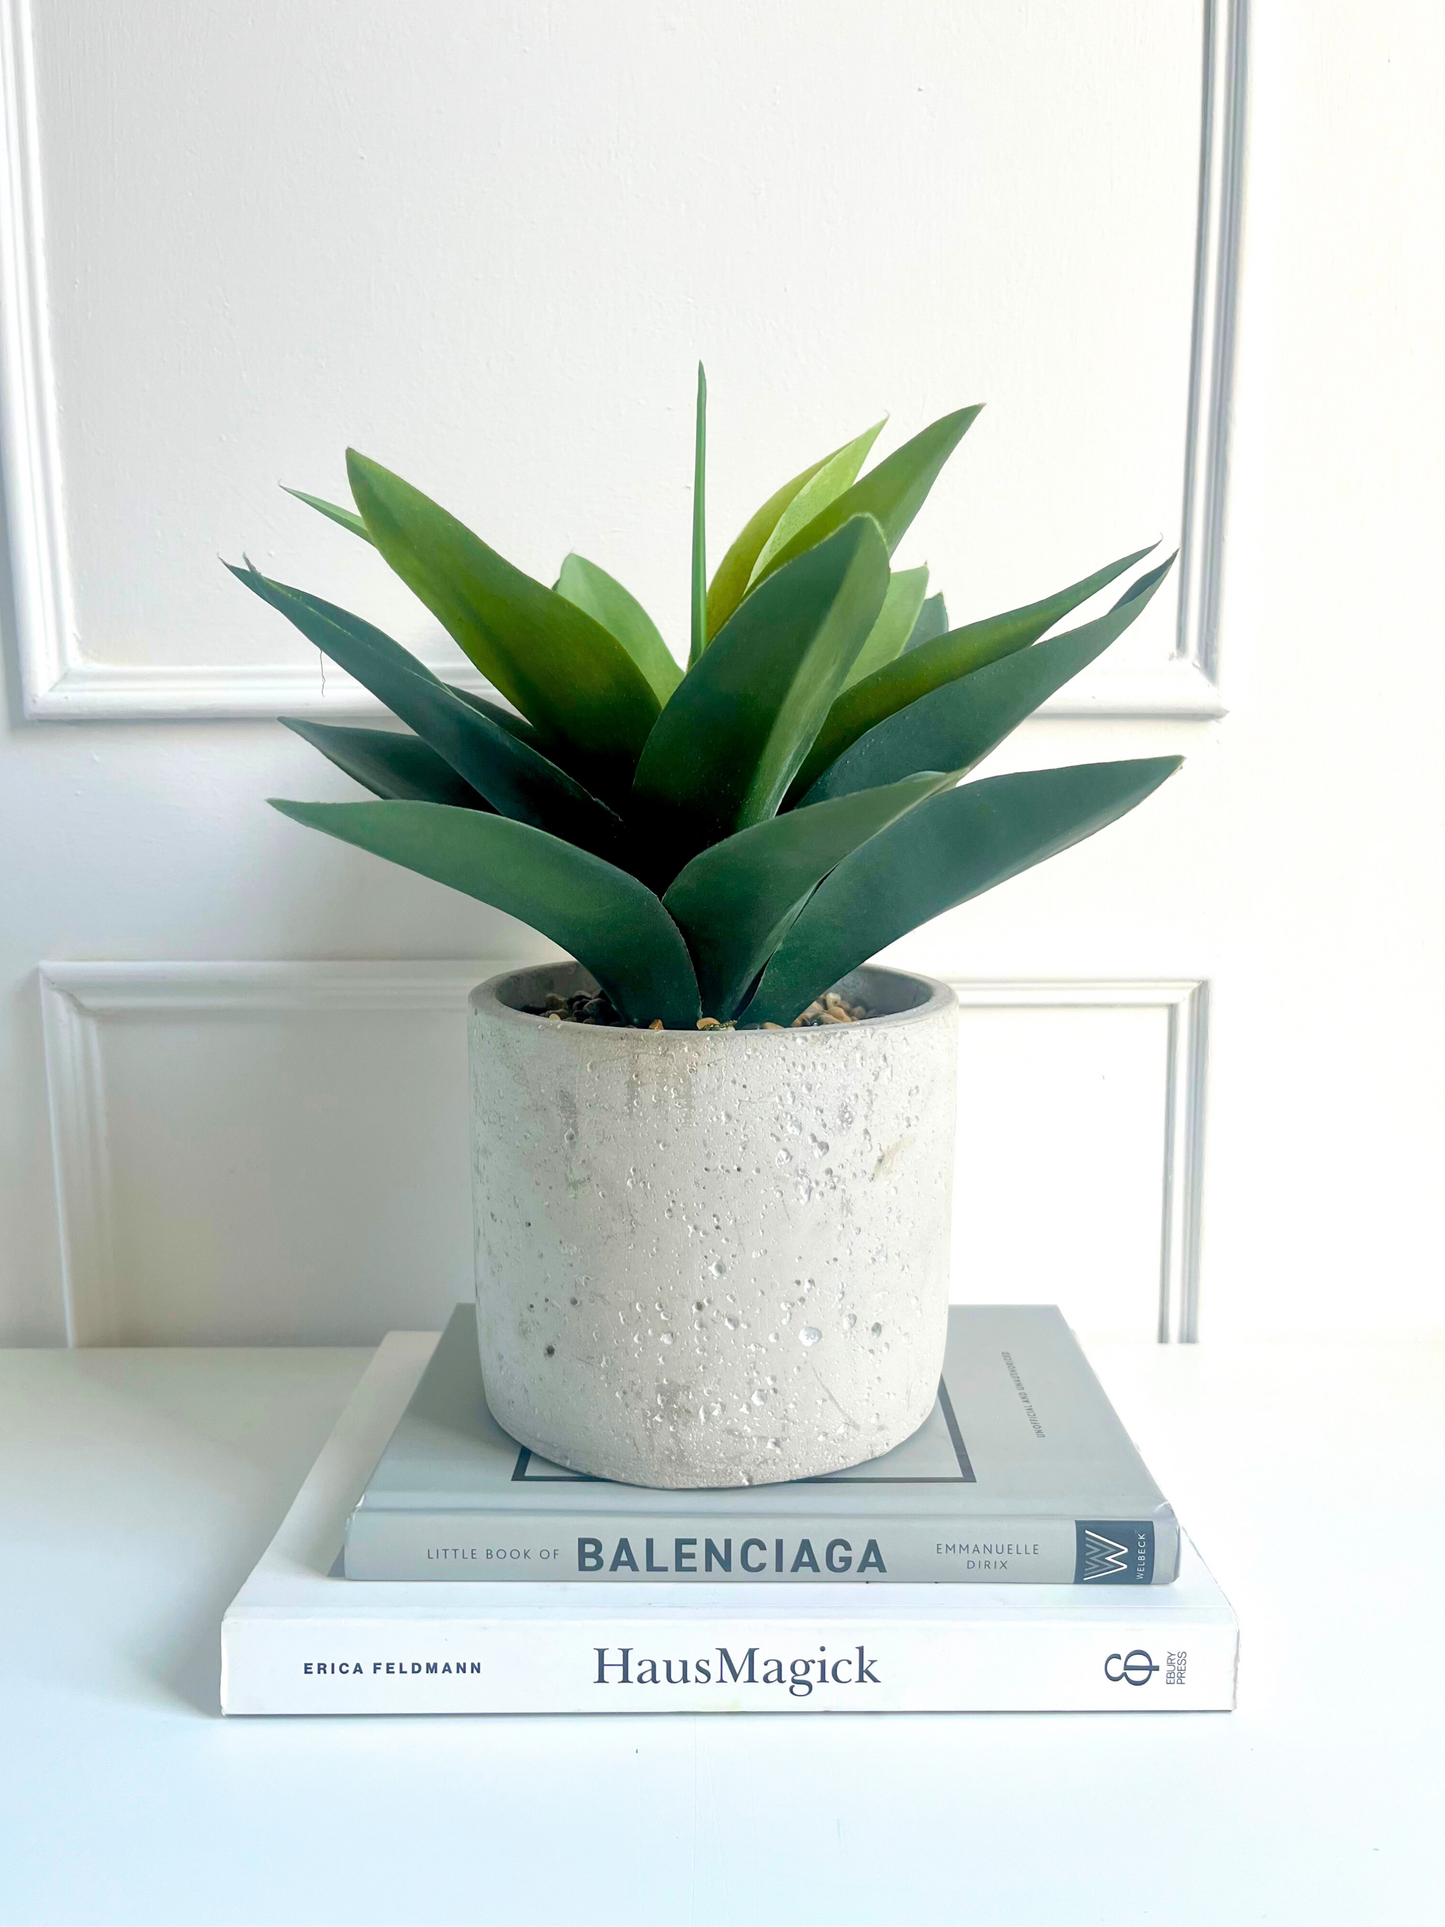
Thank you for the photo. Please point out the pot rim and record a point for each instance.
(487, 1000)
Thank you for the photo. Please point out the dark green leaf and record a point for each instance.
(735, 900)
(348, 518)
(942, 660)
(609, 921)
(567, 675)
(507, 719)
(515, 778)
(892, 493)
(896, 621)
(740, 722)
(955, 727)
(699, 524)
(402, 769)
(604, 599)
(950, 848)
(735, 571)
(932, 621)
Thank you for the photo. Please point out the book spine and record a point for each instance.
(619, 1549)
(410, 1663)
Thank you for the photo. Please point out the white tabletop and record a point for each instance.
(138, 1487)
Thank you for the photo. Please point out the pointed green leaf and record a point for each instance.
(515, 778)
(740, 722)
(402, 769)
(943, 659)
(567, 675)
(348, 518)
(735, 571)
(896, 622)
(734, 901)
(609, 921)
(948, 849)
(604, 599)
(892, 493)
(932, 621)
(699, 524)
(819, 492)
(507, 719)
(955, 727)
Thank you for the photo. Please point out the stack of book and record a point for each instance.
(1014, 1554)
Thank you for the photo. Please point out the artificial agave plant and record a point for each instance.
(729, 841)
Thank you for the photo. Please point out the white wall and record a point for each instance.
(486, 243)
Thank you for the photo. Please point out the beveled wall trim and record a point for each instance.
(60, 682)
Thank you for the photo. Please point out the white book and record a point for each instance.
(300, 1638)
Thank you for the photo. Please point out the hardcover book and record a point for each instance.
(1021, 1475)
(301, 1638)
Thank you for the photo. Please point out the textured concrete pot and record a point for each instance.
(712, 1258)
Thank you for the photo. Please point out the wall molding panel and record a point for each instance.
(59, 680)
(78, 999)
(1185, 1004)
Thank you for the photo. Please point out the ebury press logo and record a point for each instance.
(1135, 1668)
(1113, 1552)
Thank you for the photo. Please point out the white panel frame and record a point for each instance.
(76, 997)
(59, 681)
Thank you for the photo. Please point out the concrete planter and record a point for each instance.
(712, 1258)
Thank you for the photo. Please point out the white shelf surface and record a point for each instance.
(137, 1489)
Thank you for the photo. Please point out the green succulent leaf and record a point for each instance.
(740, 722)
(941, 660)
(402, 769)
(956, 726)
(896, 622)
(515, 778)
(699, 524)
(348, 518)
(820, 491)
(892, 493)
(734, 901)
(735, 571)
(603, 598)
(569, 677)
(608, 921)
(952, 847)
(507, 719)
(932, 621)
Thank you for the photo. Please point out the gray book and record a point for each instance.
(1022, 1474)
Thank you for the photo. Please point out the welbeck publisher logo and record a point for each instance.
(622, 1666)
(1113, 1552)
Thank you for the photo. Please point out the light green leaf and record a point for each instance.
(604, 599)
(735, 571)
(819, 492)
(892, 493)
(896, 622)
(943, 659)
(952, 847)
(734, 901)
(740, 722)
(403, 769)
(699, 524)
(609, 921)
(346, 517)
(956, 726)
(571, 679)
